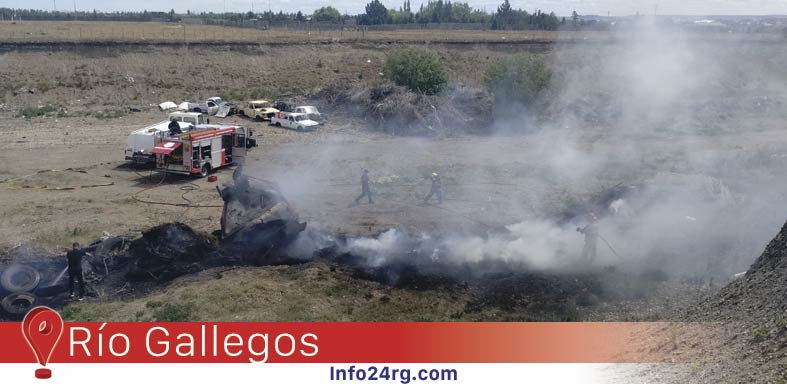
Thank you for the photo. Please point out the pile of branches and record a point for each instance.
(399, 111)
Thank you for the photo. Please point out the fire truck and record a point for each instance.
(200, 149)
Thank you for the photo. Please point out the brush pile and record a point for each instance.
(396, 110)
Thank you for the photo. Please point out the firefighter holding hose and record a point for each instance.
(74, 257)
(591, 238)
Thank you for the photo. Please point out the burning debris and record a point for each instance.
(257, 222)
(256, 219)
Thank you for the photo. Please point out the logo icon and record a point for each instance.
(42, 327)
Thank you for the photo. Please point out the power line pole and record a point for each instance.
(54, 5)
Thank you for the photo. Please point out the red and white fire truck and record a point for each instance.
(200, 149)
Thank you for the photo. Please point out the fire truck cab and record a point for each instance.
(199, 150)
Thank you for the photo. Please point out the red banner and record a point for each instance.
(352, 342)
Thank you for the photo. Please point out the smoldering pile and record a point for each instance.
(526, 267)
(396, 110)
(257, 222)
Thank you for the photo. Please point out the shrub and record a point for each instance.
(417, 69)
(760, 333)
(522, 78)
(42, 110)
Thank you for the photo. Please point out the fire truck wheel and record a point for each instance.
(204, 171)
(20, 278)
(18, 303)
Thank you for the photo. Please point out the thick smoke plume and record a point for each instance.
(655, 131)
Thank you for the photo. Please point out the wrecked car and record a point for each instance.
(296, 121)
(209, 106)
(258, 110)
(313, 113)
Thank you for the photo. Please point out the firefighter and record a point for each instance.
(74, 257)
(591, 238)
(436, 190)
(365, 190)
(174, 128)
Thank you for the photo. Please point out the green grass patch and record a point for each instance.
(42, 111)
(760, 333)
(173, 312)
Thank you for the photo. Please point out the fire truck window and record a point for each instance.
(195, 155)
(240, 140)
(226, 144)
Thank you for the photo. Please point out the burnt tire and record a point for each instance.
(278, 124)
(19, 303)
(20, 278)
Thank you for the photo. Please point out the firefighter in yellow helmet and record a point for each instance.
(436, 190)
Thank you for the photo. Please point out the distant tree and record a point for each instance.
(505, 16)
(299, 16)
(399, 17)
(172, 14)
(327, 15)
(376, 13)
(575, 18)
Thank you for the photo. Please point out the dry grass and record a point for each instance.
(314, 292)
(69, 31)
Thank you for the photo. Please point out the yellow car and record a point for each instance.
(258, 110)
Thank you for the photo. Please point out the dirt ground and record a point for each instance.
(90, 152)
(64, 179)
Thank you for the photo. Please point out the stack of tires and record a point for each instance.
(18, 282)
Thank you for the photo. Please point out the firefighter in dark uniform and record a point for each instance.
(74, 257)
(365, 190)
(436, 190)
(591, 238)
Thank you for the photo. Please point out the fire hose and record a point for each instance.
(609, 245)
(50, 188)
(187, 188)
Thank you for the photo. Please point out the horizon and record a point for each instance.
(601, 8)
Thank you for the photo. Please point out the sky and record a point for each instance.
(560, 7)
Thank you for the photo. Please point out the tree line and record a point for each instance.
(375, 13)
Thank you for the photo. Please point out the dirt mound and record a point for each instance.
(399, 111)
(759, 294)
(756, 301)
